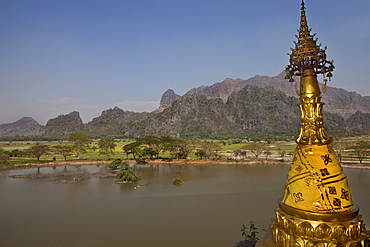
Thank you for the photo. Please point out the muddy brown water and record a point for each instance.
(207, 210)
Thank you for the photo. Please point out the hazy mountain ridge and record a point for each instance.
(260, 105)
(252, 111)
(337, 100)
(25, 126)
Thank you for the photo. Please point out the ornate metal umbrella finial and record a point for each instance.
(307, 54)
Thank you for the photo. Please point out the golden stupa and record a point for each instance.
(317, 208)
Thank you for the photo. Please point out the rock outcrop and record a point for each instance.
(220, 90)
(168, 98)
(338, 100)
(110, 121)
(64, 124)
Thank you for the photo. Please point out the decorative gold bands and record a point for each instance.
(298, 177)
(349, 215)
(335, 181)
(309, 174)
(334, 176)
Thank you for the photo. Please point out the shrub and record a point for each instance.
(115, 163)
(124, 165)
(249, 232)
(127, 176)
(177, 181)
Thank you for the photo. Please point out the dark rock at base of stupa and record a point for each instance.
(250, 242)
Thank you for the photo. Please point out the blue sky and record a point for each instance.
(58, 56)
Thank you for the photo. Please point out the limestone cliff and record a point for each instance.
(168, 98)
(64, 124)
(338, 100)
(110, 121)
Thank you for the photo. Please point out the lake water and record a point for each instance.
(207, 210)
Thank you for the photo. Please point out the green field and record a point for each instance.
(278, 150)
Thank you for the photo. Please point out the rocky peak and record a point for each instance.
(115, 111)
(110, 121)
(64, 124)
(220, 90)
(168, 98)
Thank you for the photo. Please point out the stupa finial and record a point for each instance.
(307, 54)
(307, 60)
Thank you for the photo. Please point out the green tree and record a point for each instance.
(339, 144)
(37, 150)
(361, 150)
(281, 152)
(156, 143)
(237, 153)
(200, 154)
(149, 151)
(3, 156)
(180, 148)
(134, 149)
(80, 142)
(242, 153)
(267, 153)
(15, 153)
(256, 148)
(63, 150)
(127, 176)
(106, 146)
(125, 165)
(208, 148)
(115, 163)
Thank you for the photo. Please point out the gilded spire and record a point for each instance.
(306, 61)
(317, 207)
(303, 27)
(316, 182)
(307, 54)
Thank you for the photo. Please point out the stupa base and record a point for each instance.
(291, 231)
